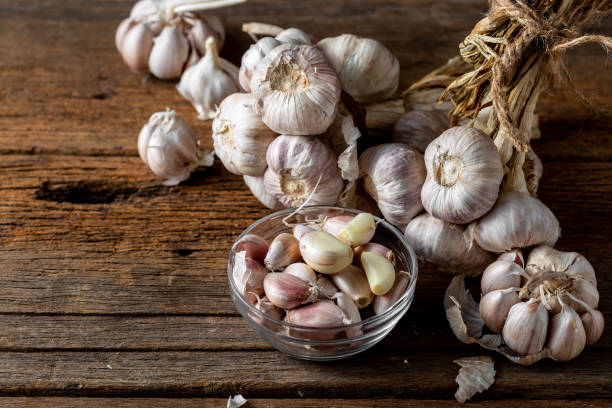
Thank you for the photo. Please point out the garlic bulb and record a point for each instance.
(169, 54)
(464, 172)
(526, 327)
(369, 72)
(252, 57)
(418, 128)
(258, 189)
(393, 175)
(240, 138)
(170, 148)
(567, 337)
(207, 83)
(298, 164)
(296, 91)
(446, 245)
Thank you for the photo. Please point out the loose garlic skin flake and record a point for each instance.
(296, 91)
(295, 165)
(464, 172)
(240, 138)
(369, 72)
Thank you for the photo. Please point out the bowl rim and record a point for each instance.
(373, 319)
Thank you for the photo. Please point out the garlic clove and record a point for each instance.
(206, 84)
(265, 306)
(249, 276)
(385, 302)
(258, 189)
(351, 312)
(593, 323)
(495, 305)
(334, 225)
(322, 314)
(326, 288)
(353, 282)
(368, 70)
(393, 175)
(567, 337)
(302, 271)
(252, 57)
(299, 230)
(255, 247)
(169, 54)
(288, 291)
(122, 29)
(325, 253)
(515, 256)
(418, 128)
(134, 42)
(296, 91)
(359, 231)
(240, 138)
(284, 250)
(501, 275)
(379, 271)
(203, 26)
(293, 36)
(373, 247)
(526, 327)
(545, 258)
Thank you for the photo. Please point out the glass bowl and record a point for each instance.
(298, 340)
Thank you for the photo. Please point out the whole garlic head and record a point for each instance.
(393, 175)
(240, 138)
(170, 148)
(418, 128)
(296, 91)
(295, 165)
(369, 72)
(207, 83)
(464, 172)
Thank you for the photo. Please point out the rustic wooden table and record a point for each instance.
(113, 288)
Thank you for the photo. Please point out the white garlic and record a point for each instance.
(296, 91)
(206, 83)
(293, 36)
(298, 164)
(258, 189)
(567, 337)
(369, 72)
(203, 26)
(393, 175)
(240, 138)
(302, 271)
(501, 275)
(170, 148)
(526, 327)
(134, 42)
(495, 305)
(325, 253)
(252, 57)
(299, 230)
(464, 172)
(169, 54)
(418, 128)
(334, 225)
(446, 245)
(515, 256)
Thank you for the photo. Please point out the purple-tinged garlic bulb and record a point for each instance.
(418, 128)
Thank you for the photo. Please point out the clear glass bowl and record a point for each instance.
(298, 340)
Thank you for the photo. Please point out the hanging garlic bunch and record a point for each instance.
(170, 148)
(167, 37)
(536, 309)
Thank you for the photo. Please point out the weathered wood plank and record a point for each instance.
(412, 373)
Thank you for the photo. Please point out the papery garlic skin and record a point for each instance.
(240, 138)
(495, 305)
(293, 36)
(446, 245)
(249, 276)
(284, 250)
(353, 282)
(393, 175)
(296, 91)
(326, 288)
(325, 253)
(464, 172)
(526, 327)
(346, 304)
(533, 170)
(258, 189)
(206, 84)
(265, 306)
(296, 164)
(501, 275)
(170, 148)
(252, 57)
(169, 54)
(382, 303)
(368, 70)
(255, 247)
(567, 337)
(418, 128)
(515, 256)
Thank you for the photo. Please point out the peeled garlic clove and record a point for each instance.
(288, 291)
(169, 54)
(334, 225)
(376, 248)
(446, 245)
(170, 148)
(385, 302)
(393, 175)
(284, 250)
(240, 138)
(593, 323)
(252, 57)
(258, 189)
(501, 275)
(293, 36)
(379, 271)
(299, 230)
(359, 231)
(515, 256)
(296, 164)
(134, 42)
(533, 170)
(255, 247)
(464, 172)
(526, 327)
(353, 282)
(249, 276)
(567, 337)
(302, 271)
(346, 304)
(325, 253)
(326, 288)
(418, 128)
(495, 305)
(296, 91)
(323, 314)
(368, 70)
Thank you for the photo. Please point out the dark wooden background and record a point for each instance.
(113, 287)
